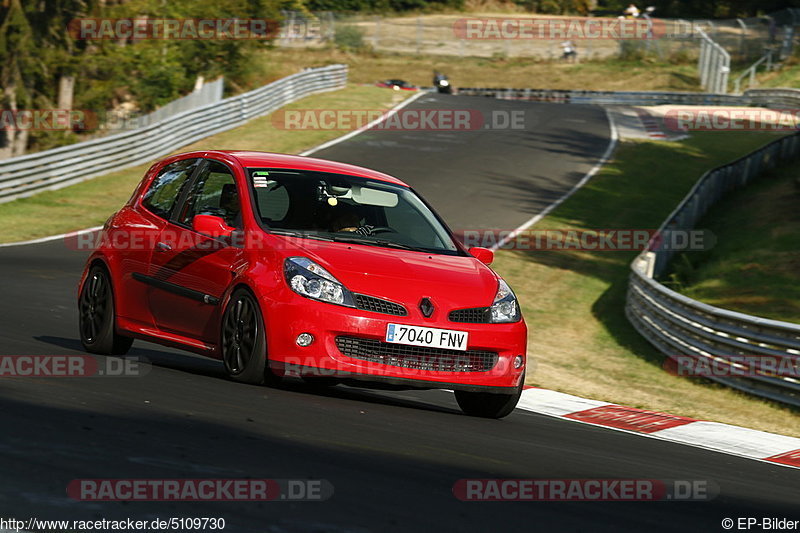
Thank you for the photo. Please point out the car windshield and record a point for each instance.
(340, 208)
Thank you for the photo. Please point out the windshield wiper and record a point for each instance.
(375, 242)
(302, 235)
(351, 239)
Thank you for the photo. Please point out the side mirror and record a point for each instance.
(484, 255)
(212, 226)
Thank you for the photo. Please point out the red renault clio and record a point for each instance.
(283, 265)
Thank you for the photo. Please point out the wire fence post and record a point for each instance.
(419, 35)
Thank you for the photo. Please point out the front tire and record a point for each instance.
(97, 316)
(243, 341)
(487, 404)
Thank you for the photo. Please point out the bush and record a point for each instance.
(349, 38)
(631, 51)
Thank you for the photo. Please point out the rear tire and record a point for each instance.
(243, 342)
(97, 319)
(487, 404)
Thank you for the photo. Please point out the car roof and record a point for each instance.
(297, 162)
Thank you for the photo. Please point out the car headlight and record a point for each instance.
(505, 307)
(308, 279)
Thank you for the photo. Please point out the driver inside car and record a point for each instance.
(229, 204)
(345, 218)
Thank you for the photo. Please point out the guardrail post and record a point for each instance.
(742, 36)
(419, 34)
(376, 39)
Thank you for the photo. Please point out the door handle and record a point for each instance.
(163, 247)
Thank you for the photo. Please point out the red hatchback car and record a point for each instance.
(283, 265)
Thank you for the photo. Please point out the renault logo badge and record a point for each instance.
(426, 306)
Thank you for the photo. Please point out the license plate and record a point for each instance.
(431, 337)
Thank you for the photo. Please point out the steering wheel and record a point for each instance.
(381, 229)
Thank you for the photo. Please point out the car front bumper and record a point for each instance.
(406, 366)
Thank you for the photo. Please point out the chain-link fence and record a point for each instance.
(715, 45)
(745, 39)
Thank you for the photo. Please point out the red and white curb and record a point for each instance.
(734, 440)
(651, 125)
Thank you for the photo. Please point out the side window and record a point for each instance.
(165, 189)
(213, 193)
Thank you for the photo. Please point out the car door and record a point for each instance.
(189, 272)
(135, 231)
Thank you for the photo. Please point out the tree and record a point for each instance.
(16, 79)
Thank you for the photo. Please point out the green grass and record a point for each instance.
(755, 266)
(579, 339)
(90, 203)
(606, 75)
(787, 76)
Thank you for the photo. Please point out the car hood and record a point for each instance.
(451, 282)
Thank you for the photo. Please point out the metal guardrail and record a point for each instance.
(209, 93)
(750, 72)
(775, 98)
(52, 169)
(677, 325)
(682, 328)
(714, 64)
(610, 97)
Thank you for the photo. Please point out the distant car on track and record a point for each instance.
(286, 265)
(398, 85)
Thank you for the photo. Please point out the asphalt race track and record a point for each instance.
(392, 457)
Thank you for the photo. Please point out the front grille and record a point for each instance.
(474, 315)
(416, 357)
(377, 305)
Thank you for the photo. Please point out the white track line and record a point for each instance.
(366, 127)
(603, 160)
(52, 237)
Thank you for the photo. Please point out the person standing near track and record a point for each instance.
(631, 12)
(570, 51)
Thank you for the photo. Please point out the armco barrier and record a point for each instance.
(785, 98)
(680, 327)
(52, 169)
(716, 338)
(776, 98)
